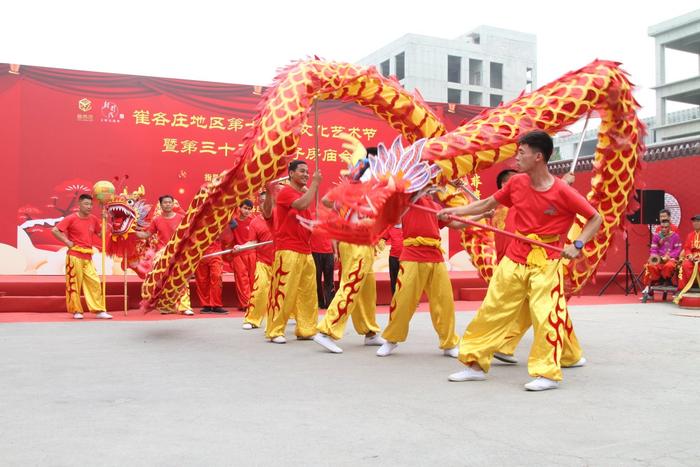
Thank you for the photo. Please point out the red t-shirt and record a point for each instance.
(82, 231)
(242, 233)
(320, 243)
(164, 228)
(261, 233)
(290, 234)
(395, 237)
(417, 223)
(550, 212)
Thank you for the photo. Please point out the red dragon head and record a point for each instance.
(362, 211)
(128, 212)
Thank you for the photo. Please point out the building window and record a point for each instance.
(528, 79)
(454, 96)
(475, 72)
(400, 66)
(384, 67)
(496, 75)
(474, 98)
(454, 69)
(495, 99)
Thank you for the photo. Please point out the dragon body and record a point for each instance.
(432, 155)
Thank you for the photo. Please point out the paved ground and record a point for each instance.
(205, 392)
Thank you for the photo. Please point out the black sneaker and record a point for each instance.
(207, 309)
(219, 310)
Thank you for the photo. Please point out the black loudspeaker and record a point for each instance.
(650, 203)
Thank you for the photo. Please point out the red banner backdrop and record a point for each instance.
(63, 130)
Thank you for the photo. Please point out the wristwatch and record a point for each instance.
(578, 244)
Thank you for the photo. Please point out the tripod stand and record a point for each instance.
(631, 280)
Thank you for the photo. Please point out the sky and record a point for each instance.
(245, 43)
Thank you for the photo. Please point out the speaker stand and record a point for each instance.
(631, 280)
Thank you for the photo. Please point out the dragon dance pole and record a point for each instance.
(580, 143)
(104, 256)
(316, 146)
(238, 249)
(492, 229)
(126, 296)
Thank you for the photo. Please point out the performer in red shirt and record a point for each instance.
(79, 231)
(293, 287)
(690, 256)
(422, 269)
(324, 252)
(504, 219)
(546, 207)
(357, 291)
(164, 226)
(260, 228)
(395, 237)
(209, 277)
(243, 264)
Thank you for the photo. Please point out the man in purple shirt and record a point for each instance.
(663, 255)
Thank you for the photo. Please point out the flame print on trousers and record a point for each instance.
(600, 87)
(71, 279)
(276, 295)
(559, 318)
(351, 287)
(255, 288)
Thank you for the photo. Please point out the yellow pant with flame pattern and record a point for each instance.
(82, 277)
(414, 279)
(356, 295)
(259, 296)
(571, 351)
(511, 286)
(293, 289)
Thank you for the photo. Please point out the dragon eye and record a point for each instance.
(129, 202)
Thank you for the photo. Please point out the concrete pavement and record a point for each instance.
(205, 392)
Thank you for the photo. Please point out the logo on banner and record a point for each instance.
(85, 106)
(110, 113)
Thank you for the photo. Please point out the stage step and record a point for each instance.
(472, 294)
(56, 303)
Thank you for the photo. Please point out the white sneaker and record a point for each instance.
(374, 340)
(541, 384)
(468, 374)
(505, 358)
(77, 316)
(103, 315)
(188, 312)
(278, 340)
(453, 352)
(386, 349)
(582, 362)
(327, 342)
(247, 326)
